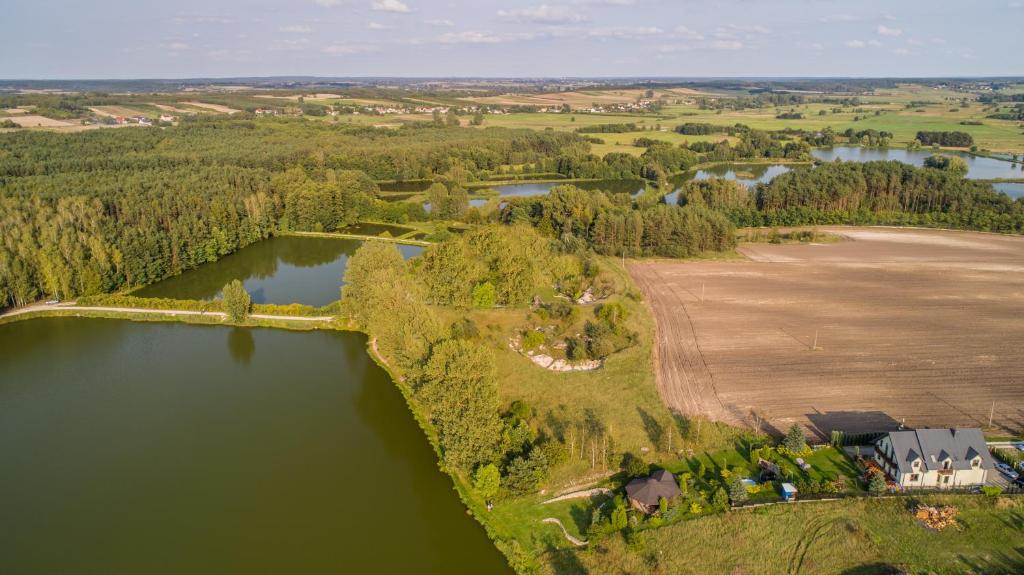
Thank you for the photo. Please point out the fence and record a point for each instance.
(801, 497)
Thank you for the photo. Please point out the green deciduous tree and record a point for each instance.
(487, 480)
(236, 301)
(459, 384)
(484, 295)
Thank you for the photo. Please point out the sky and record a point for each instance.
(106, 39)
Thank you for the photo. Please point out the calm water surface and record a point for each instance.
(169, 448)
(279, 270)
(1014, 190)
(540, 189)
(977, 168)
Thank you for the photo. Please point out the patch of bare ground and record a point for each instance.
(215, 107)
(924, 327)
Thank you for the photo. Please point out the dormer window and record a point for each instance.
(916, 464)
(946, 464)
(976, 462)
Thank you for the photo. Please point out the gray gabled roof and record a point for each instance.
(933, 446)
(650, 490)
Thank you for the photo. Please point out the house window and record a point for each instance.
(945, 479)
(945, 464)
(914, 476)
(975, 462)
(916, 464)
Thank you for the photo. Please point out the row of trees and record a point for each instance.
(864, 193)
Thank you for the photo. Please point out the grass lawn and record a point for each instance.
(853, 536)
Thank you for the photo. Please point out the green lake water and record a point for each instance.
(170, 448)
(281, 270)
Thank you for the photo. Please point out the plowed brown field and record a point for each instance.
(924, 327)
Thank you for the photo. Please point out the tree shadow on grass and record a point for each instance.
(654, 429)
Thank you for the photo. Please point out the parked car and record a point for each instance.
(52, 301)
(1008, 471)
(1019, 482)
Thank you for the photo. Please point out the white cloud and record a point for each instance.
(390, 6)
(625, 32)
(378, 26)
(855, 44)
(178, 46)
(347, 49)
(296, 29)
(687, 33)
(887, 31)
(326, 3)
(915, 42)
(469, 38)
(291, 44)
(726, 45)
(901, 52)
(673, 48)
(545, 14)
(838, 18)
(874, 43)
(441, 22)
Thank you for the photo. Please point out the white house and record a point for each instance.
(942, 458)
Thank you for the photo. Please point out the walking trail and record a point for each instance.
(167, 312)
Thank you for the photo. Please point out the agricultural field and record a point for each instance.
(891, 325)
(582, 98)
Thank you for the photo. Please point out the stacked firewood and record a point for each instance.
(937, 518)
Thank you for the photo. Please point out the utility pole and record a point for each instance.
(991, 413)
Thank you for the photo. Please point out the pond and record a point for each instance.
(173, 448)
(977, 168)
(746, 174)
(375, 229)
(1014, 190)
(540, 189)
(281, 270)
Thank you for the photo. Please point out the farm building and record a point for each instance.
(645, 493)
(942, 458)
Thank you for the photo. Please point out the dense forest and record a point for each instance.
(105, 209)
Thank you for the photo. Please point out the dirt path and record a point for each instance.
(168, 312)
(684, 381)
(579, 494)
(570, 538)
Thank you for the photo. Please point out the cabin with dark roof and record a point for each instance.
(942, 458)
(645, 493)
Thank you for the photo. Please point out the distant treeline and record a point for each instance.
(948, 139)
(608, 129)
(863, 193)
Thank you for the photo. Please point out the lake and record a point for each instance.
(977, 168)
(281, 270)
(1014, 190)
(171, 448)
